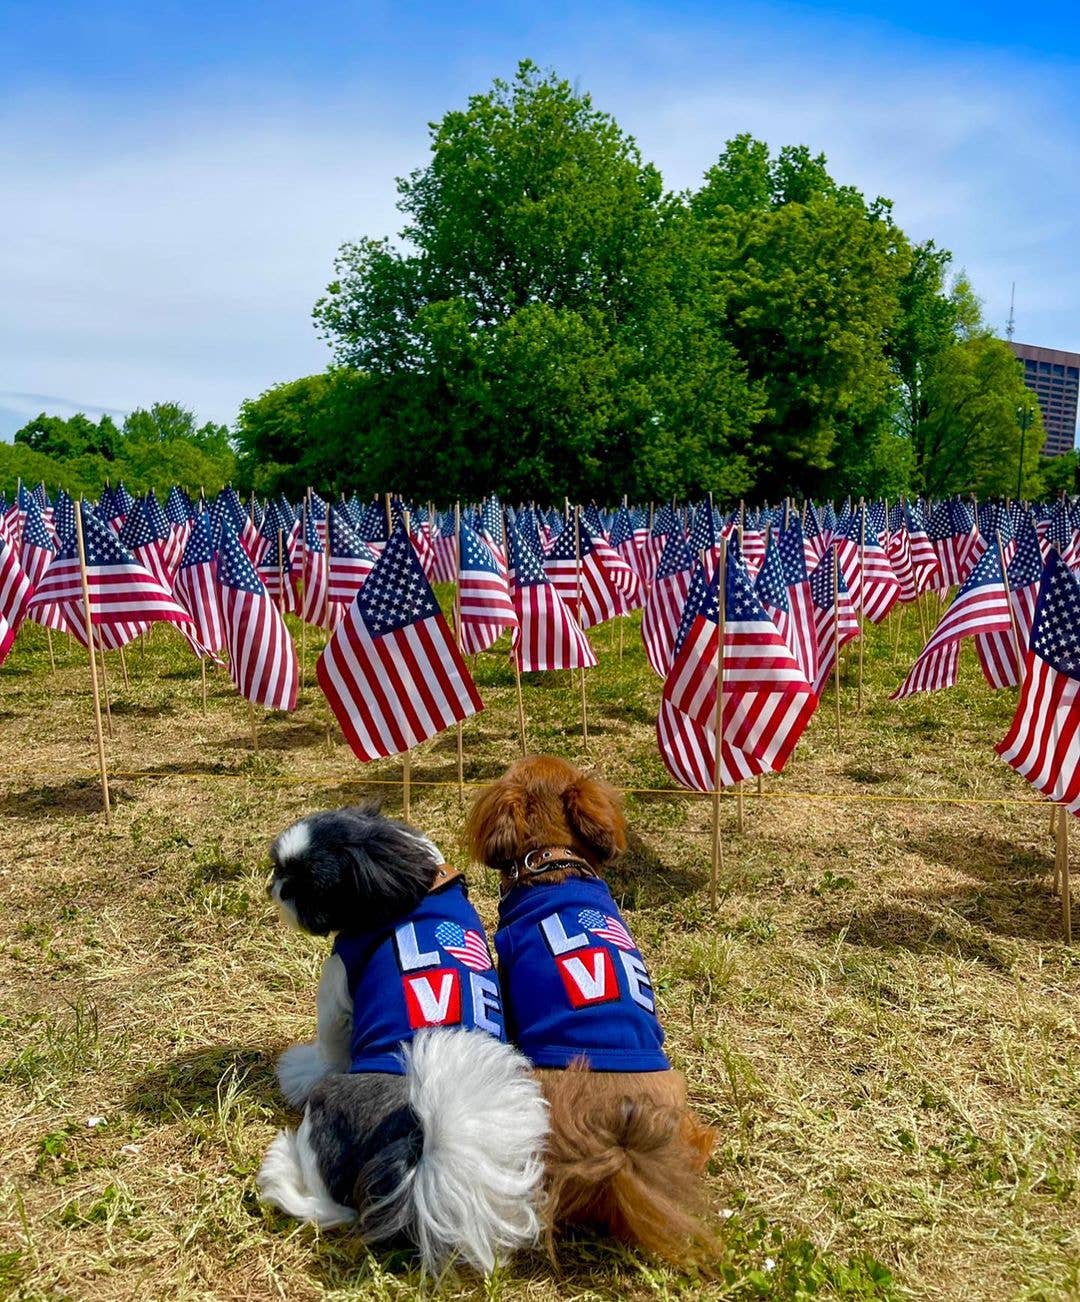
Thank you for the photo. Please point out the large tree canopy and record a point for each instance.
(549, 324)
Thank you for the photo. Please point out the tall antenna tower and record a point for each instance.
(1010, 328)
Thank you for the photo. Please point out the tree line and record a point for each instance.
(152, 447)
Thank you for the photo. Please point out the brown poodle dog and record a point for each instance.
(625, 1152)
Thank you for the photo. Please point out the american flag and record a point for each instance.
(547, 636)
(767, 700)
(486, 606)
(924, 561)
(391, 671)
(606, 927)
(275, 569)
(349, 560)
(981, 606)
(444, 544)
(468, 947)
(608, 586)
(15, 590)
(665, 602)
(262, 658)
(124, 595)
(869, 575)
(316, 607)
(37, 546)
(1061, 534)
(1001, 654)
(812, 539)
(1043, 743)
(772, 592)
(801, 633)
(665, 523)
(834, 615)
(951, 529)
(704, 535)
(493, 532)
(196, 590)
(371, 528)
(139, 537)
(420, 531)
(178, 507)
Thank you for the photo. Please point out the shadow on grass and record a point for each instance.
(194, 1082)
(79, 796)
(274, 735)
(137, 710)
(642, 867)
(1011, 897)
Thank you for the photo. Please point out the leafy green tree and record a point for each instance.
(970, 440)
(522, 338)
(809, 272)
(72, 436)
(1060, 474)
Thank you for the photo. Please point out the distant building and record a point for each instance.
(1054, 377)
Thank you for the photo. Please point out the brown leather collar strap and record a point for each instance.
(545, 860)
(443, 874)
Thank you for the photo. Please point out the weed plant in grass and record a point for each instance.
(878, 1018)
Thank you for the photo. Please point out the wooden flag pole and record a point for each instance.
(104, 683)
(718, 727)
(123, 668)
(457, 637)
(577, 561)
(514, 656)
(1063, 873)
(836, 636)
(52, 658)
(89, 626)
(202, 667)
(862, 597)
(254, 727)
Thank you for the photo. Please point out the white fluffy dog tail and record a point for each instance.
(473, 1192)
(289, 1179)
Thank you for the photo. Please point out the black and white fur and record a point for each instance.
(448, 1156)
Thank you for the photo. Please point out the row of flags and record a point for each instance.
(792, 594)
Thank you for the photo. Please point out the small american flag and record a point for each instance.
(800, 634)
(15, 589)
(349, 560)
(37, 546)
(606, 927)
(767, 700)
(980, 606)
(468, 947)
(391, 672)
(1043, 743)
(608, 586)
(547, 636)
(835, 620)
(262, 658)
(124, 595)
(484, 595)
(197, 592)
(665, 603)
(316, 607)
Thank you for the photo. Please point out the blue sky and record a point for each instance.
(175, 178)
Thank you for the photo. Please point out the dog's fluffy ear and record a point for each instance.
(496, 827)
(594, 811)
(391, 865)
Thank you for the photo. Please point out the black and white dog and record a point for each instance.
(421, 1124)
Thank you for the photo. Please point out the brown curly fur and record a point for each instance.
(625, 1152)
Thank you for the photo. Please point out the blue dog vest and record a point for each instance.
(573, 983)
(429, 969)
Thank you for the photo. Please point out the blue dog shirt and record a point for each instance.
(573, 982)
(430, 969)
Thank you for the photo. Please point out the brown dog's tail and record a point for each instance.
(625, 1153)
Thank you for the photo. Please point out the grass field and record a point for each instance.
(879, 1018)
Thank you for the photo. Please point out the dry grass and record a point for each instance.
(879, 1017)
